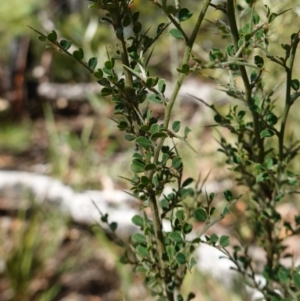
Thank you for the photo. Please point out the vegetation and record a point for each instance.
(254, 136)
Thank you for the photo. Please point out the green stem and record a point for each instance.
(185, 60)
(248, 88)
(288, 102)
(152, 198)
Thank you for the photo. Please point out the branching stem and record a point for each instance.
(248, 88)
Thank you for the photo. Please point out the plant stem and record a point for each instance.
(185, 60)
(248, 88)
(153, 200)
(288, 102)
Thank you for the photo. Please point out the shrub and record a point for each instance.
(258, 153)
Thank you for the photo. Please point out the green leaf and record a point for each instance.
(154, 128)
(142, 251)
(158, 135)
(228, 195)
(283, 275)
(224, 241)
(185, 68)
(176, 33)
(180, 215)
(161, 86)
(268, 10)
(137, 166)
(113, 226)
(98, 74)
(295, 84)
(143, 142)
(241, 114)
(139, 238)
(180, 298)
(170, 251)
(255, 19)
(261, 177)
(296, 279)
(138, 220)
(218, 118)
(92, 63)
(230, 50)
(109, 64)
(272, 17)
(200, 215)
(176, 162)
(164, 204)
(225, 211)
(106, 91)
(266, 133)
(151, 81)
(65, 44)
(144, 180)
(78, 54)
(191, 295)
(129, 137)
(93, 5)
(187, 182)
(272, 119)
(126, 21)
(180, 258)
(150, 166)
(137, 27)
(187, 228)
(214, 238)
(104, 82)
(176, 126)
(187, 130)
(135, 17)
(184, 14)
(258, 61)
(176, 236)
(42, 39)
(52, 37)
(155, 98)
(269, 163)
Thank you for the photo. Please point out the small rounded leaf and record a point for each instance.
(78, 54)
(187, 182)
(296, 279)
(138, 220)
(214, 238)
(176, 236)
(228, 195)
(176, 126)
(180, 258)
(175, 33)
(224, 241)
(184, 14)
(42, 39)
(98, 74)
(200, 215)
(139, 238)
(52, 37)
(266, 133)
(295, 84)
(259, 61)
(176, 162)
(142, 251)
(161, 86)
(92, 63)
(143, 142)
(65, 44)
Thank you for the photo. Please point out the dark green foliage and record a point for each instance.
(257, 154)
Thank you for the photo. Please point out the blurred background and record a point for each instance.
(54, 122)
